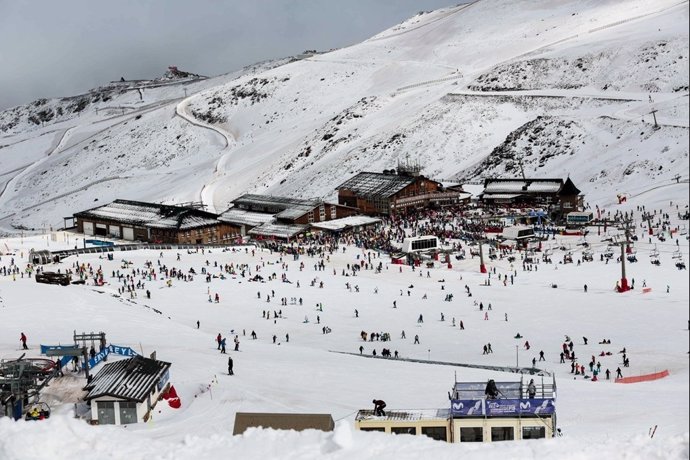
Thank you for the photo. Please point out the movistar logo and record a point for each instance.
(525, 405)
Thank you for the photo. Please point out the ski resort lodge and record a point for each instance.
(389, 192)
(474, 418)
(558, 196)
(155, 223)
(125, 391)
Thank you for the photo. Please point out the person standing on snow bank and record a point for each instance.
(22, 339)
(379, 405)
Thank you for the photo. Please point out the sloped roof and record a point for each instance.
(151, 215)
(276, 202)
(376, 184)
(346, 222)
(277, 230)
(130, 379)
(244, 217)
(569, 188)
(522, 186)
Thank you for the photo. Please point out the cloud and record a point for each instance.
(64, 48)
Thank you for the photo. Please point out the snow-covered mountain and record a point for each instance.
(566, 88)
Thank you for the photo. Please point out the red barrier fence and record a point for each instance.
(644, 378)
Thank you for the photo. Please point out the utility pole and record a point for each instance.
(653, 112)
(482, 267)
(517, 356)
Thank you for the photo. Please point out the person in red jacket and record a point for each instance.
(22, 339)
(219, 338)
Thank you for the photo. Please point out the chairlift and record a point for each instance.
(608, 253)
(654, 253)
(38, 411)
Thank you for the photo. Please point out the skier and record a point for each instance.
(230, 363)
(22, 339)
(541, 356)
(619, 374)
(462, 326)
(198, 324)
(585, 288)
(416, 339)
(222, 345)
(585, 340)
(379, 405)
(218, 340)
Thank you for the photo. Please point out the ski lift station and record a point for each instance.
(518, 232)
(420, 244)
(475, 417)
(126, 391)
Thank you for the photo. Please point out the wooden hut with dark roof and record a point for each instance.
(125, 391)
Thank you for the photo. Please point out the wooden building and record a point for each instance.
(293, 211)
(155, 223)
(384, 193)
(282, 421)
(125, 391)
(558, 196)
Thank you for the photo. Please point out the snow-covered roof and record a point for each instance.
(405, 415)
(501, 196)
(130, 379)
(244, 217)
(152, 215)
(522, 186)
(272, 230)
(346, 222)
(376, 184)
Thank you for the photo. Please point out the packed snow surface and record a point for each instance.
(303, 375)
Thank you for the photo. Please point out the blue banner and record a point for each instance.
(466, 407)
(123, 351)
(498, 407)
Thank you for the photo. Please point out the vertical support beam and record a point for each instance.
(482, 267)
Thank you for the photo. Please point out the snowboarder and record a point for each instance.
(230, 363)
(379, 405)
(22, 339)
(585, 340)
(491, 390)
(462, 326)
(531, 389)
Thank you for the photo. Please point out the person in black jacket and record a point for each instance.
(379, 405)
(230, 363)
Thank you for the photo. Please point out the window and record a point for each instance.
(435, 432)
(472, 434)
(533, 432)
(502, 433)
(106, 412)
(333, 212)
(128, 412)
(372, 429)
(403, 430)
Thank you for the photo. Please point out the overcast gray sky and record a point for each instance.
(52, 48)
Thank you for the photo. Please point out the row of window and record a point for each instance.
(470, 434)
